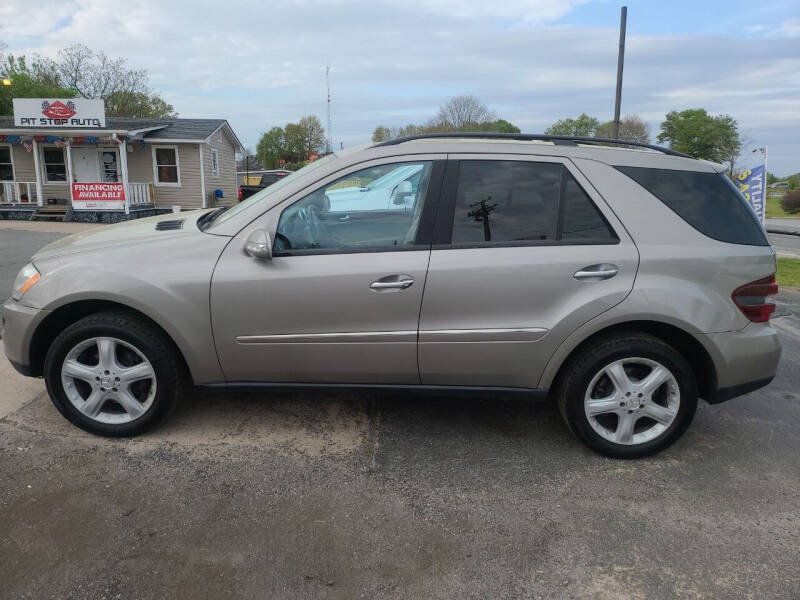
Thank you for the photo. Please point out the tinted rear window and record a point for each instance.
(706, 201)
(506, 201)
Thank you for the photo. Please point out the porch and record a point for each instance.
(70, 178)
(23, 194)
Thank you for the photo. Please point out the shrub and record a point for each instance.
(791, 201)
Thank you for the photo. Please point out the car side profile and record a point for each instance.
(625, 282)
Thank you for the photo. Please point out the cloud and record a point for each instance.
(263, 64)
(790, 28)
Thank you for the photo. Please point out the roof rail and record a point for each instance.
(563, 140)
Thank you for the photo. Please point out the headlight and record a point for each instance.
(26, 278)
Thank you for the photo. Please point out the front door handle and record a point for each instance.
(392, 282)
(596, 272)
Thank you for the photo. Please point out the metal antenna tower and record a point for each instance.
(329, 144)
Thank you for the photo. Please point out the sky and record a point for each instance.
(260, 64)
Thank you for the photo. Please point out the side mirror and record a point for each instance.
(402, 190)
(259, 245)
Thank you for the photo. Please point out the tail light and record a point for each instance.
(240, 192)
(752, 297)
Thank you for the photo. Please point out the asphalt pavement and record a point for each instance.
(374, 496)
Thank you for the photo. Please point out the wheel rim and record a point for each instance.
(108, 380)
(632, 401)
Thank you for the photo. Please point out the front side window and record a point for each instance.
(517, 202)
(55, 168)
(166, 166)
(372, 209)
(6, 167)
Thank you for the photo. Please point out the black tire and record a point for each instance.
(146, 338)
(597, 354)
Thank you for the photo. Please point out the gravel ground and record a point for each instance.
(375, 496)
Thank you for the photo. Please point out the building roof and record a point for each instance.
(150, 129)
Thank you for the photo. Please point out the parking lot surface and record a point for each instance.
(394, 496)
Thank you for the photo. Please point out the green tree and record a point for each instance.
(502, 126)
(583, 126)
(381, 134)
(700, 135)
(271, 148)
(465, 114)
(139, 105)
(93, 75)
(24, 84)
(305, 137)
(631, 128)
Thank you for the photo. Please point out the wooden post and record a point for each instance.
(123, 165)
(202, 175)
(70, 178)
(38, 166)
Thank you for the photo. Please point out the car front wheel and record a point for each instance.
(113, 373)
(628, 395)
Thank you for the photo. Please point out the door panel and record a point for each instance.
(339, 301)
(494, 315)
(85, 164)
(315, 318)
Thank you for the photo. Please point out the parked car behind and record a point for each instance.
(622, 283)
(265, 179)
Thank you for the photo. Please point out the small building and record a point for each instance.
(65, 159)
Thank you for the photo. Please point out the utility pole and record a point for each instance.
(620, 61)
(329, 144)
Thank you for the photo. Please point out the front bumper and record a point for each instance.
(744, 360)
(18, 324)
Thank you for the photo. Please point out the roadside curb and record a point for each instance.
(783, 231)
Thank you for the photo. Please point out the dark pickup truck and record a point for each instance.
(267, 178)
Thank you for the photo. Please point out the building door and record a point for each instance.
(85, 165)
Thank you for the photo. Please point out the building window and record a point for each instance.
(165, 165)
(214, 163)
(6, 166)
(55, 168)
(109, 169)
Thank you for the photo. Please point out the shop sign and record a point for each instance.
(98, 196)
(54, 112)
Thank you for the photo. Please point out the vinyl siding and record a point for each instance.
(140, 170)
(226, 181)
(25, 170)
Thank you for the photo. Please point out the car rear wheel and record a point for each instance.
(113, 374)
(628, 395)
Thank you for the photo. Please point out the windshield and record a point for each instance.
(234, 210)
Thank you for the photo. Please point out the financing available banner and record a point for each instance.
(752, 183)
(98, 196)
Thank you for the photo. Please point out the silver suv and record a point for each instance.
(625, 282)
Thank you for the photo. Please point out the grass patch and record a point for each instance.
(774, 209)
(789, 272)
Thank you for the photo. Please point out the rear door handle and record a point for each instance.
(596, 272)
(392, 282)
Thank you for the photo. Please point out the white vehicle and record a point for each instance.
(396, 189)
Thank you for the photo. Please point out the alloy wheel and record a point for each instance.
(108, 380)
(632, 401)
